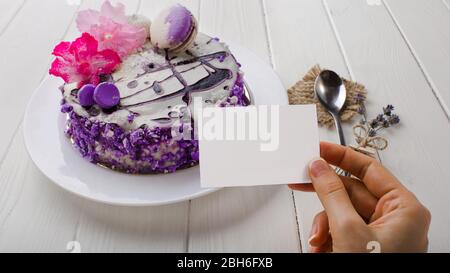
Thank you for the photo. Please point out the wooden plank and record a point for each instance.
(26, 46)
(151, 8)
(424, 26)
(447, 3)
(294, 54)
(8, 10)
(238, 21)
(257, 219)
(419, 152)
(35, 215)
(25, 194)
(105, 228)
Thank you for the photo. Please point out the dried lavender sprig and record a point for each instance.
(383, 121)
(388, 110)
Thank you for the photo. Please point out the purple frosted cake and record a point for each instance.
(131, 83)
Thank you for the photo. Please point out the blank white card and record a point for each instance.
(256, 145)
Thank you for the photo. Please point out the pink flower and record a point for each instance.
(81, 62)
(111, 28)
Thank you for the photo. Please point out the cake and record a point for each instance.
(127, 99)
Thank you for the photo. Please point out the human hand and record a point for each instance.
(371, 206)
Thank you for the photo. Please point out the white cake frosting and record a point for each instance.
(157, 86)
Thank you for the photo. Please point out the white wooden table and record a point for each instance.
(400, 49)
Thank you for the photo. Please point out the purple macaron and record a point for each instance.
(106, 95)
(174, 28)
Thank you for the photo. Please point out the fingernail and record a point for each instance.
(313, 234)
(318, 166)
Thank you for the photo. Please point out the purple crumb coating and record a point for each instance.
(195, 155)
(66, 108)
(237, 94)
(143, 150)
(139, 151)
(180, 21)
(131, 117)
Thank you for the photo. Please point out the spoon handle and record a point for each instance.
(337, 121)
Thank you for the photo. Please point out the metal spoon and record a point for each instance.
(331, 93)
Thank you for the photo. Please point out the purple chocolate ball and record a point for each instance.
(86, 95)
(107, 95)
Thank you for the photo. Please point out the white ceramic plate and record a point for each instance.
(54, 155)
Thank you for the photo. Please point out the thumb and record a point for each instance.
(332, 194)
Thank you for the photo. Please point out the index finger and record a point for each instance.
(377, 179)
